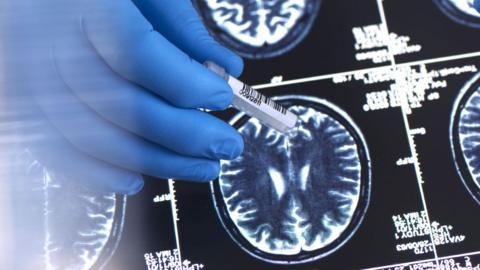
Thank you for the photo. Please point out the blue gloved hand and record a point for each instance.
(104, 91)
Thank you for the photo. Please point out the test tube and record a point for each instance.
(255, 104)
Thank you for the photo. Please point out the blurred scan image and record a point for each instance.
(461, 11)
(59, 223)
(297, 197)
(259, 29)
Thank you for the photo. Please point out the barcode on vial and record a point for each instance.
(257, 98)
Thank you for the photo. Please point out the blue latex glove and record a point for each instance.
(104, 91)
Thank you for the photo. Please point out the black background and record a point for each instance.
(329, 49)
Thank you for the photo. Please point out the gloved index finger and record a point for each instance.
(130, 46)
(179, 22)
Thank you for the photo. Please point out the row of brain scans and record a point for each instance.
(312, 187)
(269, 28)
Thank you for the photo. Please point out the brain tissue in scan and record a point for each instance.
(295, 198)
(259, 28)
(62, 224)
(465, 136)
(460, 11)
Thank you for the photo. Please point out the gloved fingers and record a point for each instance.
(100, 139)
(182, 26)
(58, 155)
(126, 41)
(185, 131)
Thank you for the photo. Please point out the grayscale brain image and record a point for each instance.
(461, 11)
(259, 29)
(466, 136)
(298, 197)
(381, 170)
(81, 228)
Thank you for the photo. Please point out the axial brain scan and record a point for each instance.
(465, 136)
(261, 28)
(298, 197)
(461, 11)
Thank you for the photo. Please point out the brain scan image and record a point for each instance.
(297, 197)
(64, 225)
(465, 136)
(460, 11)
(259, 28)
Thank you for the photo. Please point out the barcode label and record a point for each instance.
(258, 98)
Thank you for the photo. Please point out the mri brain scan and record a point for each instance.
(461, 11)
(64, 225)
(465, 136)
(259, 28)
(297, 197)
